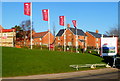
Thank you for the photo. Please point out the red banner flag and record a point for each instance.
(27, 8)
(74, 22)
(45, 14)
(61, 22)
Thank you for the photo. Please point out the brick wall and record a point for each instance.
(92, 41)
(44, 40)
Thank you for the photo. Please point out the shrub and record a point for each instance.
(26, 47)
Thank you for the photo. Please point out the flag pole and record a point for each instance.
(13, 39)
(76, 40)
(31, 24)
(1, 37)
(49, 29)
(64, 34)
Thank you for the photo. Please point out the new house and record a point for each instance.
(42, 38)
(93, 39)
(71, 37)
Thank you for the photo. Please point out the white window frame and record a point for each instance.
(69, 43)
(58, 38)
(40, 43)
(40, 39)
(96, 44)
(5, 34)
(96, 39)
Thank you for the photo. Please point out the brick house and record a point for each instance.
(42, 38)
(1, 27)
(70, 37)
(7, 37)
(93, 39)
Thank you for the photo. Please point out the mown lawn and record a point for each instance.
(20, 62)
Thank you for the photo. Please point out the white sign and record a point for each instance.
(108, 46)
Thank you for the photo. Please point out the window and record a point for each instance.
(5, 34)
(40, 38)
(40, 43)
(96, 39)
(97, 45)
(58, 38)
(69, 43)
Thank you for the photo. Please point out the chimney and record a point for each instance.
(48, 30)
(68, 25)
(97, 31)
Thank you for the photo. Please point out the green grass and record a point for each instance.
(20, 62)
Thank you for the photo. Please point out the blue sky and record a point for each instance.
(89, 15)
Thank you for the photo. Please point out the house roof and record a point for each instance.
(60, 32)
(73, 30)
(40, 34)
(96, 35)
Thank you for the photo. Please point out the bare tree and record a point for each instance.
(54, 29)
(113, 31)
(26, 27)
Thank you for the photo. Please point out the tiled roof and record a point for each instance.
(40, 34)
(79, 32)
(96, 35)
(60, 32)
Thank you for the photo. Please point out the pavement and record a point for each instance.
(69, 75)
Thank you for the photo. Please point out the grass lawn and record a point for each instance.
(20, 62)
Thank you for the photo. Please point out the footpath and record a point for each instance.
(68, 74)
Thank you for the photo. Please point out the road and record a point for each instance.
(112, 75)
(105, 74)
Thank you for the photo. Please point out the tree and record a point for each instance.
(18, 31)
(113, 31)
(116, 32)
(26, 28)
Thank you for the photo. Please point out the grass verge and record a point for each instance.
(21, 62)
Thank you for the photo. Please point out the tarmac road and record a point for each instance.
(105, 74)
(111, 75)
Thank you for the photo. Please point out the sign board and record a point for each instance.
(109, 46)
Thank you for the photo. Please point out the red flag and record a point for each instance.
(45, 14)
(74, 22)
(61, 20)
(27, 7)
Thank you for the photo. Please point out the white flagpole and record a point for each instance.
(64, 34)
(49, 29)
(13, 39)
(31, 23)
(76, 40)
(1, 37)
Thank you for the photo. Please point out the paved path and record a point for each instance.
(68, 75)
